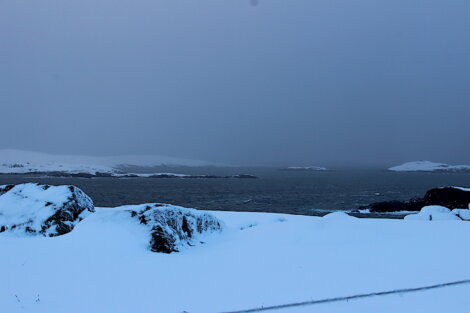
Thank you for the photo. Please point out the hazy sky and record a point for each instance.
(284, 82)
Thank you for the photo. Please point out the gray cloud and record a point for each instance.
(301, 81)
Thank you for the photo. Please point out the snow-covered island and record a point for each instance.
(427, 166)
(305, 168)
(162, 258)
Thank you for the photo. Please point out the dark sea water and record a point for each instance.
(304, 192)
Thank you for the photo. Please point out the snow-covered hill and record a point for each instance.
(17, 161)
(260, 259)
(427, 166)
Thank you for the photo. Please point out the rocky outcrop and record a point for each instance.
(449, 197)
(45, 210)
(427, 166)
(171, 227)
(117, 174)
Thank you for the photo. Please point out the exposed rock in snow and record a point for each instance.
(42, 209)
(338, 216)
(427, 166)
(433, 213)
(450, 197)
(306, 168)
(172, 227)
(270, 264)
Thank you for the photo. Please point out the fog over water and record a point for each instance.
(299, 82)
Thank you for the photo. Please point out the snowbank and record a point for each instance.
(427, 166)
(283, 259)
(433, 213)
(338, 216)
(42, 209)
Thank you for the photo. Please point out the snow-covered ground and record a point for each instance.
(259, 259)
(17, 161)
(427, 166)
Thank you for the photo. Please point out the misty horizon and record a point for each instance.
(368, 83)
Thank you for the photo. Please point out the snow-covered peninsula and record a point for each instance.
(305, 168)
(427, 166)
(18, 161)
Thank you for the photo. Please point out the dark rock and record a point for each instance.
(394, 206)
(449, 197)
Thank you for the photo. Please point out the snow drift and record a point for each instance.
(433, 213)
(104, 265)
(464, 214)
(339, 216)
(42, 209)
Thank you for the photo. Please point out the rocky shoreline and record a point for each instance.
(449, 197)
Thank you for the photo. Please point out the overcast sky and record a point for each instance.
(283, 82)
